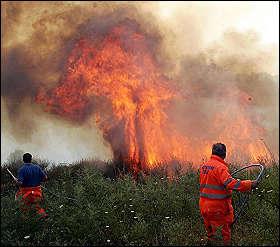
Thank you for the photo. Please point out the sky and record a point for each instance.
(261, 16)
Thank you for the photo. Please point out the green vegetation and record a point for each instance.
(120, 211)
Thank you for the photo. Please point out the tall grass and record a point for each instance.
(110, 210)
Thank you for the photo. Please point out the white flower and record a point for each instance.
(108, 240)
(161, 178)
(26, 237)
(135, 217)
(122, 211)
(167, 217)
(130, 199)
(106, 212)
(121, 221)
(132, 211)
(267, 176)
(269, 191)
(115, 206)
(107, 226)
(130, 205)
(60, 206)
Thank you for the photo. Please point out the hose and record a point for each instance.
(259, 177)
(244, 201)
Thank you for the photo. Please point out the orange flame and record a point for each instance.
(117, 78)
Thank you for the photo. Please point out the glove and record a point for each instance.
(254, 184)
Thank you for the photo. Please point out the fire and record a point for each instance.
(116, 78)
(122, 73)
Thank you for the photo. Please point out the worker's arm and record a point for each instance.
(231, 183)
(20, 179)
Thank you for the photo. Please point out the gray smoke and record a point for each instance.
(36, 41)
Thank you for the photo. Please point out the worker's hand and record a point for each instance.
(254, 184)
(19, 183)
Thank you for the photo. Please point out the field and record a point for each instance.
(119, 211)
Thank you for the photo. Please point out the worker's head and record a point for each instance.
(219, 149)
(27, 157)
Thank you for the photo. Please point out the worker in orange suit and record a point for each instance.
(29, 179)
(216, 185)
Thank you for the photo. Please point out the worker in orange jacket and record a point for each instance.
(29, 179)
(216, 185)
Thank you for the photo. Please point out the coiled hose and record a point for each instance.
(244, 201)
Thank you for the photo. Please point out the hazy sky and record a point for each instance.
(261, 16)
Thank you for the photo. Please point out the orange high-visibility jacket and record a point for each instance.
(216, 185)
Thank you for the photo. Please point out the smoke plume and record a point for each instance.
(226, 90)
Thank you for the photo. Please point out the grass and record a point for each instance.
(120, 211)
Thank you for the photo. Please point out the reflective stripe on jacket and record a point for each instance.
(216, 181)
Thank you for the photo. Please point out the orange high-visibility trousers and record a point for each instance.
(217, 214)
(213, 222)
(31, 196)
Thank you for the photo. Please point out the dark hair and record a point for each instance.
(219, 149)
(27, 157)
